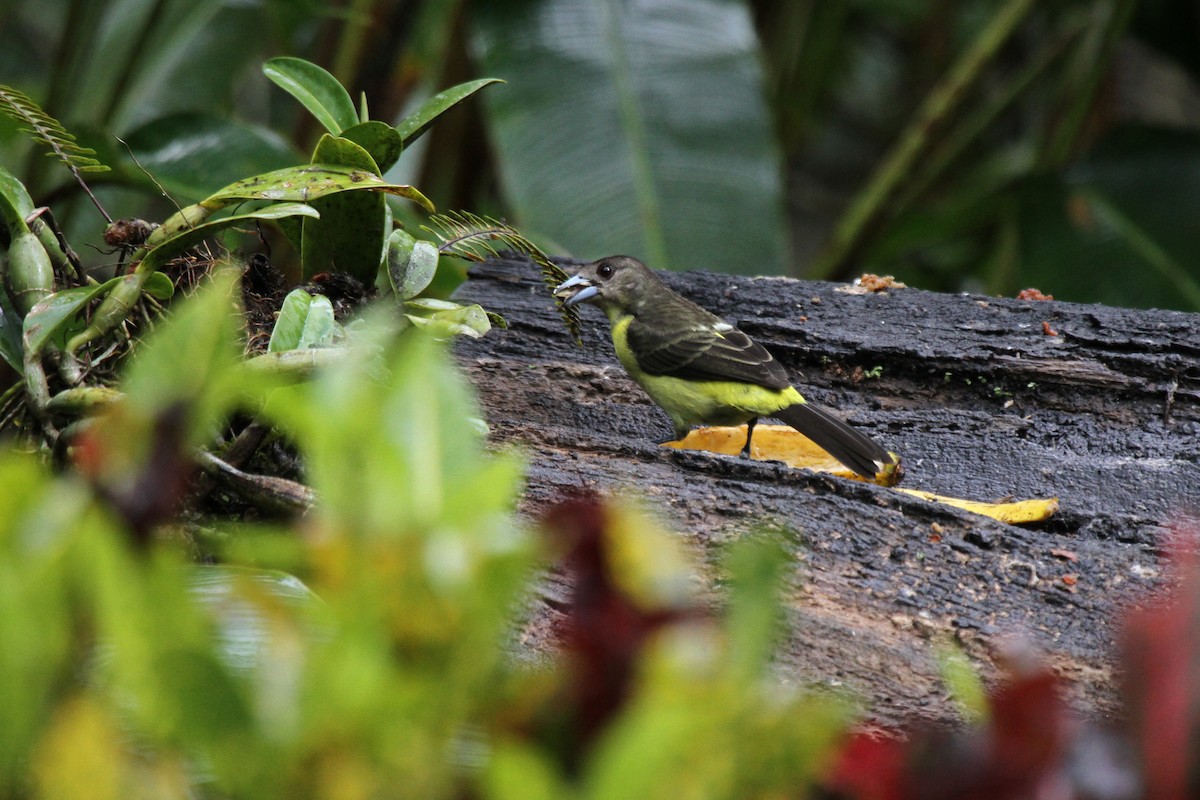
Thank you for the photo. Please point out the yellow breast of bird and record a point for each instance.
(693, 402)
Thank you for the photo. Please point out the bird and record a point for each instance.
(701, 370)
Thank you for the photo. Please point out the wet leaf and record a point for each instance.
(11, 348)
(415, 124)
(320, 328)
(15, 203)
(349, 235)
(411, 264)
(55, 318)
(289, 326)
(310, 182)
(643, 131)
(454, 319)
(316, 89)
(380, 140)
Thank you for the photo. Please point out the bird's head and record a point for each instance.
(615, 281)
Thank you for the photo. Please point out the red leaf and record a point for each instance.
(605, 631)
(1162, 682)
(870, 766)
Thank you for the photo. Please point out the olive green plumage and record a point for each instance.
(700, 369)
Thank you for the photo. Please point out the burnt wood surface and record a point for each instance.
(984, 398)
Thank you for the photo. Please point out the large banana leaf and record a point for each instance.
(193, 155)
(638, 128)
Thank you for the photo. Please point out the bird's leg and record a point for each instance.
(749, 434)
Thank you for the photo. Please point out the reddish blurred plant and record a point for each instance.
(1161, 650)
(1030, 746)
(1018, 752)
(607, 626)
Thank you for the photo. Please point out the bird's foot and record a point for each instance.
(749, 437)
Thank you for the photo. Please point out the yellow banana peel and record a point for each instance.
(782, 443)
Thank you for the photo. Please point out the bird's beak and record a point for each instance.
(575, 290)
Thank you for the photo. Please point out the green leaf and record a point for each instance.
(159, 286)
(195, 154)
(11, 348)
(342, 152)
(756, 567)
(643, 132)
(48, 131)
(164, 250)
(399, 404)
(55, 318)
(15, 203)
(290, 323)
(445, 317)
(316, 89)
(36, 522)
(304, 321)
(422, 266)
(350, 234)
(964, 683)
(395, 261)
(192, 358)
(522, 772)
(415, 124)
(201, 52)
(476, 238)
(380, 140)
(411, 264)
(201, 696)
(28, 273)
(320, 327)
(310, 182)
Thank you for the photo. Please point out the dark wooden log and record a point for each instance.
(984, 398)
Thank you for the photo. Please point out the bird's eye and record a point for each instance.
(605, 271)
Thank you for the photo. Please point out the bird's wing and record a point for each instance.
(701, 347)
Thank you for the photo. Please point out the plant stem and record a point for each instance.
(955, 143)
(1084, 80)
(869, 207)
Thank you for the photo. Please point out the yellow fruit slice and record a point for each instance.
(1014, 512)
(782, 443)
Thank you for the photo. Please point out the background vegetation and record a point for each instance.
(988, 145)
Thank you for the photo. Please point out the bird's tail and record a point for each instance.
(852, 448)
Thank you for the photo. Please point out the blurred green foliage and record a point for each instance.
(1003, 144)
(988, 145)
(365, 650)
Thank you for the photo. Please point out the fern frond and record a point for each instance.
(478, 238)
(49, 131)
